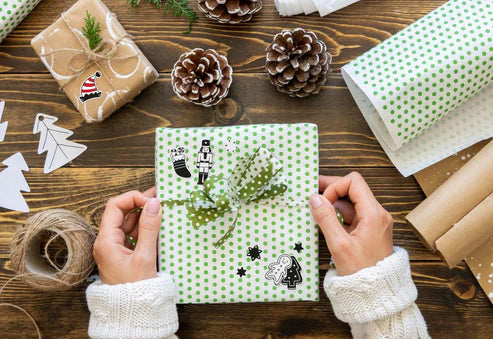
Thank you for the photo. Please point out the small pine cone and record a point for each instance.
(298, 63)
(202, 77)
(230, 11)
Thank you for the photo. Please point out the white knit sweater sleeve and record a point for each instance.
(144, 309)
(378, 301)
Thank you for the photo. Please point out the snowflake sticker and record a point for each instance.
(231, 146)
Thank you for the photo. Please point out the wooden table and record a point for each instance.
(120, 157)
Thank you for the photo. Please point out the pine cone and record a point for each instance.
(298, 63)
(202, 77)
(230, 11)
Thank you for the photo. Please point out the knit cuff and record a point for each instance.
(372, 293)
(143, 309)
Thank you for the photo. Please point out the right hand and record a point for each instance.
(118, 261)
(368, 237)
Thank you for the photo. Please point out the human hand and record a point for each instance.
(368, 237)
(118, 261)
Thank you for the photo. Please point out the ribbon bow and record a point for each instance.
(254, 178)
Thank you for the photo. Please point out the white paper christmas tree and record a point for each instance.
(53, 139)
(12, 182)
(3, 125)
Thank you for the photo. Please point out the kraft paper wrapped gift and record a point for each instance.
(236, 223)
(12, 12)
(98, 81)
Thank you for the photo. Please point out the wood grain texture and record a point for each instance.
(348, 32)
(128, 135)
(120, 157)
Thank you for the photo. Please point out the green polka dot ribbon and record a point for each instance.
(254, 178)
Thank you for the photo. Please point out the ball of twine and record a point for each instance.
(25, 250)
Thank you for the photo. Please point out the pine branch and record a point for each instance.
(91, 31)
(178, 8)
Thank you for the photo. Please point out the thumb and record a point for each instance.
(325, 215)
(149, 223)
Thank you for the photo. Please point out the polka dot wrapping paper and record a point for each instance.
(272, 253)
(427, 92)
(12, 12)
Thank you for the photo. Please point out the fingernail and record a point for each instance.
(316, 200)
(152, 207)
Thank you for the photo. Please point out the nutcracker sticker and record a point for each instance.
(88, 90)
(204, 161)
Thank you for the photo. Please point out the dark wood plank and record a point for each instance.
(127, 138)
(348, 32)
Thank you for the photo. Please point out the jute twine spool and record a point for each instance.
(25, 250)
(30, 266)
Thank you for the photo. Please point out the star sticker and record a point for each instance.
(298, 247)
(254, 252)
(241, 272)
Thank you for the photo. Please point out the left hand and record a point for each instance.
(117, 261)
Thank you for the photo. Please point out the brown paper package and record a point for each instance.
(96, 86)
(474, 229)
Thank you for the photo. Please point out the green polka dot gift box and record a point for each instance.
(427, 91)
(236, 222)
(12, 12)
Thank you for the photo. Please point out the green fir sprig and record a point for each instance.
(91, 31)
(178, 8)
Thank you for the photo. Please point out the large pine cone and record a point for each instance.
(202, 77)
(230, 11)
(298, 63)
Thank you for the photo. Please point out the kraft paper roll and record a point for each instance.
(469, 234)
(455, 198)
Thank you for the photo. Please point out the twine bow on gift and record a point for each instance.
(104, 51)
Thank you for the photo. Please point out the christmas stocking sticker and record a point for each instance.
(278, 270)
(88, 90)
(177, 156)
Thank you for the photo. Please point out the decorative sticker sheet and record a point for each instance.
(426, 92)
(254, 238)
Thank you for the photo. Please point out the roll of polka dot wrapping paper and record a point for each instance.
(272, 253)
(427, 92)
(12, 12)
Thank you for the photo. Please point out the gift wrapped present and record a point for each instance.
(97, 80)
(236, 223)
(12, 12)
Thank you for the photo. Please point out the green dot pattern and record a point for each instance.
(425, 71)
(12, 12)
(205, 274)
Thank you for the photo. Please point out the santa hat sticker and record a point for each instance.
(88, 89)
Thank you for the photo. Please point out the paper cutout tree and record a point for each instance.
(53, 139)
(12, 182)
(293, 275)
(3, 125)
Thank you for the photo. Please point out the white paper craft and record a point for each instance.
(324, 7)
(424, 95)
(53, 140)
(12, 182)
(3, 125)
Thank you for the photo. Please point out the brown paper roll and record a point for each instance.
(455, 198)
(469, 234)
